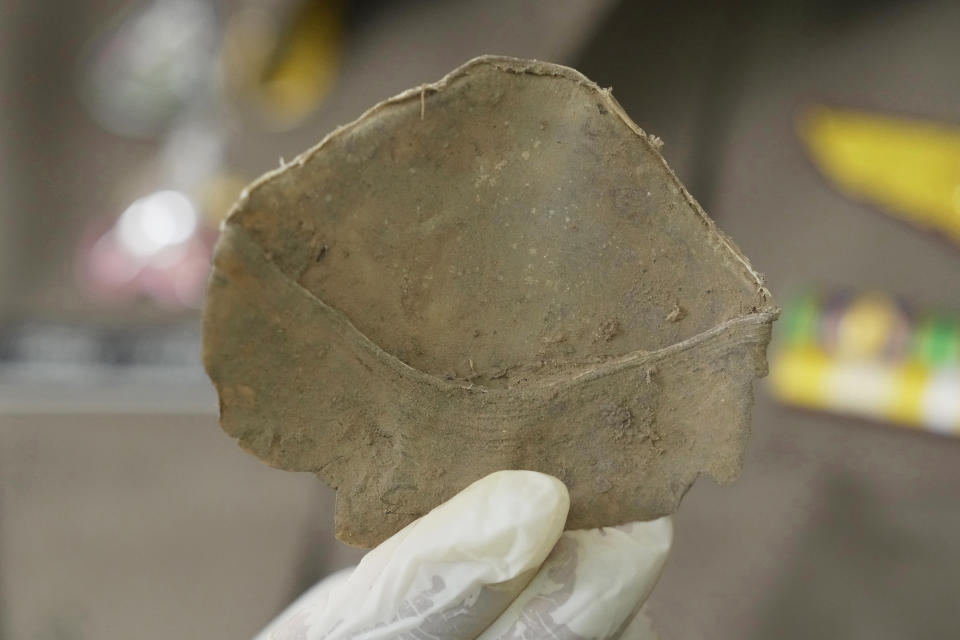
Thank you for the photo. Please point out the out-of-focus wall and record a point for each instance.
(59, 168)
(8, 254)
(133, 526)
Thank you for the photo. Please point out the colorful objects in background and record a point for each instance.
(909, 168)
(163, 71)
(869, 355)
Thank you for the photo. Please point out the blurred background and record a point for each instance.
(824, 136)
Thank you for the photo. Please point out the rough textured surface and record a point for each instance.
(495, 271)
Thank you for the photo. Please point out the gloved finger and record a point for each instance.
(451, 573)
(591, 585)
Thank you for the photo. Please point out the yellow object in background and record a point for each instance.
(864, 329)
(304, 65)
(910, 168)
(287, 67)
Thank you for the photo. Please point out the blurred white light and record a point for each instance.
(941, 403)
(156, 222)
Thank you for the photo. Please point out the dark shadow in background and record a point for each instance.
(678, 67)
(847, 574)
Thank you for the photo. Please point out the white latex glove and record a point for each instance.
(491, 563)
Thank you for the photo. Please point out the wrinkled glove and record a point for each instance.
(491, 563)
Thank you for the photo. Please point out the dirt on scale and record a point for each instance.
(495, 271)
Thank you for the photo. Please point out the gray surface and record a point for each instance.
(149, 527)
(106, 392)
(836, 530)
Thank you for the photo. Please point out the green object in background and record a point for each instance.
(800, 320)
(937, 340)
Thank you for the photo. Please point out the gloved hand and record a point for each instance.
(491, 563)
